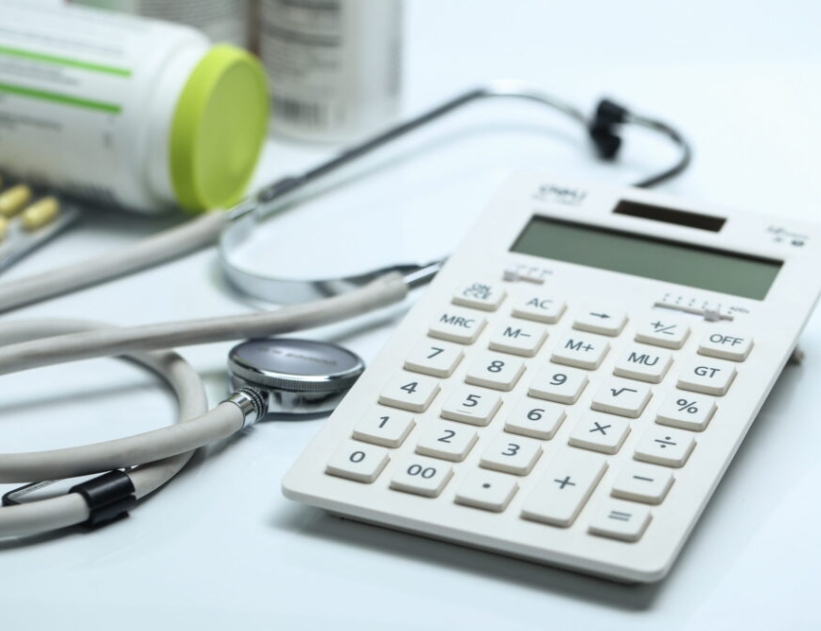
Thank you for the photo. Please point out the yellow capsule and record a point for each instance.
(4, 228)
(13, 200)
(40, 213)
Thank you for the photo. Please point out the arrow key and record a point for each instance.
(601, 320)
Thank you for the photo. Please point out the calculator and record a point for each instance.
(575, 381)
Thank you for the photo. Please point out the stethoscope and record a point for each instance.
(288, 377)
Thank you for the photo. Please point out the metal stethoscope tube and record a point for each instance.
(247, 216)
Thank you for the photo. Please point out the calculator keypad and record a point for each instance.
(452, 387)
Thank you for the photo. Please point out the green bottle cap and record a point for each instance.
(218, 129)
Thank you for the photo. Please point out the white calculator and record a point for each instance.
(575, 381)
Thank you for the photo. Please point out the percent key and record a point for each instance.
(692, 412)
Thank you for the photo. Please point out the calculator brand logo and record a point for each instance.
(560, 195)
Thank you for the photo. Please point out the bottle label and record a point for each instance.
(333, 65)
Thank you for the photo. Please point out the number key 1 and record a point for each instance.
(383, 426)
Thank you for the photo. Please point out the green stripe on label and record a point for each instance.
(64, 61)
(60, 98)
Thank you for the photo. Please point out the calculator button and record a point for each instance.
(600, 320)
(562, 385)
(487, 490)
(564, 489)
(471, 405)
(518, 338)
(480, 296)
(491, 370)
(457, 325)
(422, 476)
(687, 411)
(663, 331)
(383, 426)
(710, 376)
(438, 359)
(644, 483)
(643, 363)
(618, 396)
(732, 345)
(539, 308)
(536, 419)
(665, 446)
(357, 461)
(582, 351)
(410, 392)
(599, 432)
(511, 455)
(450, 441)
(620, 520)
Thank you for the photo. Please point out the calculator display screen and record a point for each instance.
(661, 259)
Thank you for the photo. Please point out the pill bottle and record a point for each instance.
(334, 66)
(137, 113)
(221, 20)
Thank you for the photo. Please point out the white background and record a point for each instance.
(221, 548)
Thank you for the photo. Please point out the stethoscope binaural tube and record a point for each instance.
(247, 217)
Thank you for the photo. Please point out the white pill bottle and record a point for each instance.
(334, 66)
(137, 113)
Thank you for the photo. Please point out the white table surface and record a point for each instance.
(221, 548)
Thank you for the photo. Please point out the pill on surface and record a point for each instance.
(13, 200)
(40, 213)
(4, 228)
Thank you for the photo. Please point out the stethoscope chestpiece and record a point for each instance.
(300, 377)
